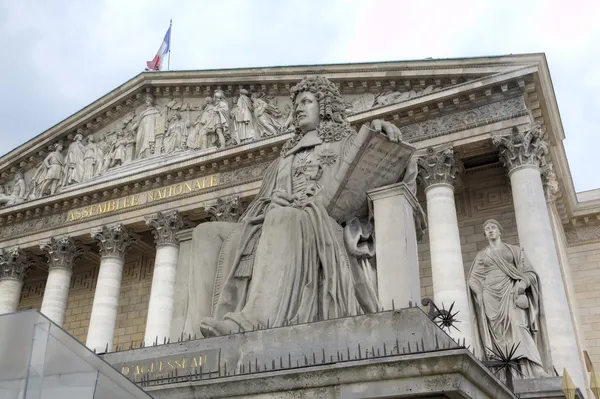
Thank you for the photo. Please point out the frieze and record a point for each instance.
(460, 120)
(50, 221)
(489, 199)
(582, 234)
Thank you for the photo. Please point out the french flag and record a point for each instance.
(165, 47)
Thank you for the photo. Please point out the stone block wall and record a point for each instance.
(585, 266)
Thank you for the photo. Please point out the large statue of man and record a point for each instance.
(507, 304)
(49, 173)
(221, 120)
(287, 259)
(146, 127)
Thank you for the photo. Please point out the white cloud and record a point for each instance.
(65, 54)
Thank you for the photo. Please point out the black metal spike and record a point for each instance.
(272, 365)
(268, 323)
(348, 352)
(225, 367)
(305, 360)
(397, 347)
(437, 342)
(378, 353)
(314, 358)
(409, 350)
(106, 350)
(338, 356)
(323, 356)
(289, 360)
(372, 351)
(280, 362)
(422, 345)
(384, 350)
(256, 363)
(393, 305)
(359, 352)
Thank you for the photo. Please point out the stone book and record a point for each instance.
(370, 161)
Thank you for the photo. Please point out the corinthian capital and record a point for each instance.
(14, 263)
(62, 252)
(522, 148)
(165, 226)
(438, 167)
(113, 240)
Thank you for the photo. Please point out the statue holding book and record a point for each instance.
(298, 253)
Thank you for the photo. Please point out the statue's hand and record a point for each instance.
(521, 287)
(388, 128)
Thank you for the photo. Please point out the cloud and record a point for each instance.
(62, 55)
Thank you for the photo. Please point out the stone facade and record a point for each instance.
(153, 158)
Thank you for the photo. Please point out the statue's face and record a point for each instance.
(491, 231)
(306, 107)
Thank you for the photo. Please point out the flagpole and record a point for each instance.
(169, 59)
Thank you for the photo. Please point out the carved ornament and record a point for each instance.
(522, 148)
(438, 167)
(113, 240)
(14, 263)
(62, 252)
(165, 225)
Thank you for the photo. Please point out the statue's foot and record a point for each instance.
(211, 327)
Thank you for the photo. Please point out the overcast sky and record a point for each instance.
(61, 55)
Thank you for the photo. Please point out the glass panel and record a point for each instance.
(39, 360)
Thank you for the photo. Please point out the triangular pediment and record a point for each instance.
(404, 92)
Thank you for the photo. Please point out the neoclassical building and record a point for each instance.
(96, 228)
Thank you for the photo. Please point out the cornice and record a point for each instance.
(120, 100)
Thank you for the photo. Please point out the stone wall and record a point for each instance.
(585, 265)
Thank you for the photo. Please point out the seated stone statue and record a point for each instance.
(506, 300)
(287, 260)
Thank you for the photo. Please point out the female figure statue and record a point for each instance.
(146, 129)
(90, 159)
(241, 115)
(221, 118)
(203, 127)
(176, 135)
(266, 117)
(73, 170)
(506, 301)
(286, 259)
(119, 154)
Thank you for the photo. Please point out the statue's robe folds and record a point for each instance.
(285, 264)
(146, 132)
(492, 284)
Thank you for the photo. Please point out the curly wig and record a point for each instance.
(331, 104)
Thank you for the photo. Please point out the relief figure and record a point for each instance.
(241, 116)
(146, 128)
(73, 169)
(266, 116)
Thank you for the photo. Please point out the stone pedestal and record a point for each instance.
(437, 171)
(536, 237)
(396, 245)
(62, 253)
(13, 266)
(160, 308)
(113, 241)
(181, 297)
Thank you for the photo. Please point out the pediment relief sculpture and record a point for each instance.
(164, 126)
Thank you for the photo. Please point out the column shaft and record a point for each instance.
(10, 293)
(113, 241)
(160, 307)
(447, 268)
(104, 308)
(536, 237)
(54, 304)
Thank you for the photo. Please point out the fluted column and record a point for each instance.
(524, 154)
(13, 266)
(62, 253)
(437, 172)
(165, 226)
(113, 242)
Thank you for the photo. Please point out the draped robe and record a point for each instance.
(146, 132)
(492, 284)
(291, 263)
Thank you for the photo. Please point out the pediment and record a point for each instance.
(178, 105)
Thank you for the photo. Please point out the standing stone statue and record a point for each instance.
(73, 169)
(286, 258)
(266, 117)
(49, 174)
(119, 153)
(177, 133)
(146, 126)
(204, 127)
(507, 304)
(90, 159)
(221, 117)
(241, 117)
